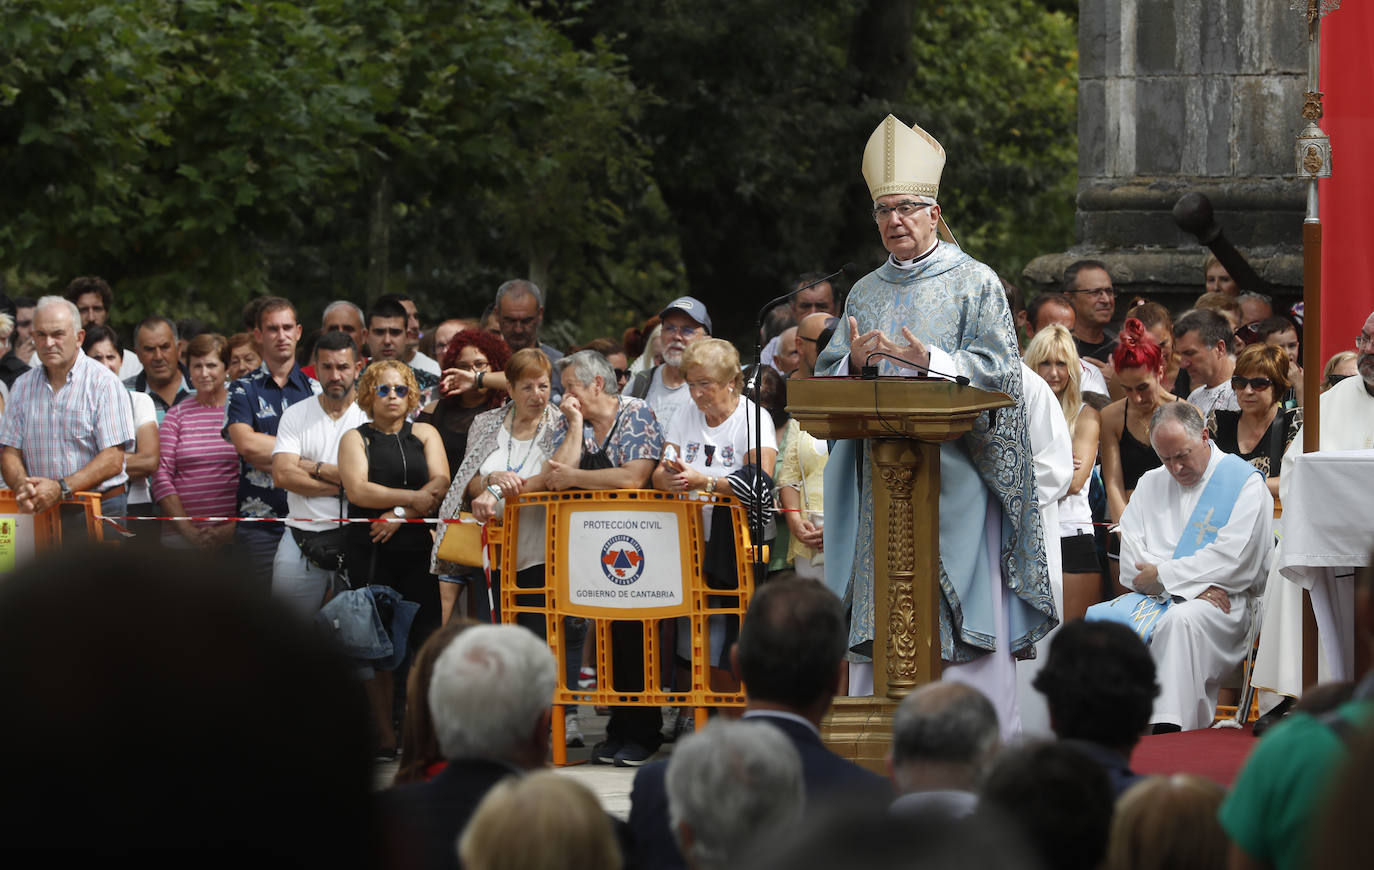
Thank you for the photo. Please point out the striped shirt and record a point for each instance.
(60, 433)
(197, 464)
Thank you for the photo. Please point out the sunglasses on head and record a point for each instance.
(1238, 383)
(384, 390)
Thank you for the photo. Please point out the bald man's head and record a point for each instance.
(808, 331)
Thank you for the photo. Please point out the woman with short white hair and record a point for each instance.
(709, 445)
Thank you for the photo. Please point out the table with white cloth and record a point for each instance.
(1326, 537)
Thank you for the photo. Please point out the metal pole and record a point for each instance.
(1313, 154)
(1314, 161)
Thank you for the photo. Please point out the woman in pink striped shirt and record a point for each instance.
(198, 473)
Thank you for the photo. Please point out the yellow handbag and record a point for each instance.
(462, 542)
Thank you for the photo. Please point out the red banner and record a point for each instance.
(1347, 79)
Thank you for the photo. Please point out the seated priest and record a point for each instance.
(1196, 541)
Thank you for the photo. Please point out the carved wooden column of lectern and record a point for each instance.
(906, 420)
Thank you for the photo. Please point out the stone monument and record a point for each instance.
(1177, 96)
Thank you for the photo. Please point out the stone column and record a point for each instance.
(1177, 96)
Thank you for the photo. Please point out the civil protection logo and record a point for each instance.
(622, 560)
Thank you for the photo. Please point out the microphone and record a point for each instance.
(870, 372)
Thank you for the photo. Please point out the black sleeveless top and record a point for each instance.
(1267, 454)
(453, 420)
(396, 460)
(1136, 458)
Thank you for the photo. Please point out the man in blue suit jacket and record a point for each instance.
(790, 651)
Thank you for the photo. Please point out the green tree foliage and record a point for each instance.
(198, 152)
(999, 82)
(765, 107)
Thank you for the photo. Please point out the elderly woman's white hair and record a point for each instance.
(488, 691)
(585, 366)
(731, 787)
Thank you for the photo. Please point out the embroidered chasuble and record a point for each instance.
(956, 307)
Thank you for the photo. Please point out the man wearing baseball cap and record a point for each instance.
(683, 321)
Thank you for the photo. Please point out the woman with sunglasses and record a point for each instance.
(393, 469)
(1338, 368)
(1260, 431)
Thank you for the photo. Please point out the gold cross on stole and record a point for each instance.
(1205, 526)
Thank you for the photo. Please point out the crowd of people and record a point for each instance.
(307, 463)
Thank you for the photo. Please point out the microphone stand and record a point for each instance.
(869, 371)
(756, 509)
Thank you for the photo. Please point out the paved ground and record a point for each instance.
(610, 784)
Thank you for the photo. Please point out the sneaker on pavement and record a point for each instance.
(572, 735)
(605, 752)
(632, 755)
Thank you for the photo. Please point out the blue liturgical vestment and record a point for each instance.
(954, 303)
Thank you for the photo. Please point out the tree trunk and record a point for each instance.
(881, 49)
(379, 236)
(539, 271)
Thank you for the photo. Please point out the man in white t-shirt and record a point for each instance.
(304, 464)
(684, 321)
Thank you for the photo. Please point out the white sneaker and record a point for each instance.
(572, 734)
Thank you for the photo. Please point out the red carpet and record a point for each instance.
(1216, 753)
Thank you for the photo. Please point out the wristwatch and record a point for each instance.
(399, 511)
(64, 488)
(711, 486)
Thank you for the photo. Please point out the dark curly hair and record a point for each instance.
(1099, 683)
(1136, 349)
(492, 346)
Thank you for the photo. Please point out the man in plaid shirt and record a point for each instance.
(68, 422)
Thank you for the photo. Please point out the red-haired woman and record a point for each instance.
(477, 359)
(1124, 443)
(1124, 440)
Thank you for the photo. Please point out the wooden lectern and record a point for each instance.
(906, 419)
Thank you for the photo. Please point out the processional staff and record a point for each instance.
(1314, 162)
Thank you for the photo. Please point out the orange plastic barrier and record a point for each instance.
(629, 556)
(23, 536)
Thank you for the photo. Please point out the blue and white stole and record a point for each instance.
(1141, 613)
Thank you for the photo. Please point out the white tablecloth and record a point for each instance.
(1327, 535)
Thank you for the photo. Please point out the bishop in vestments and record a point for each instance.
(932, 305)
